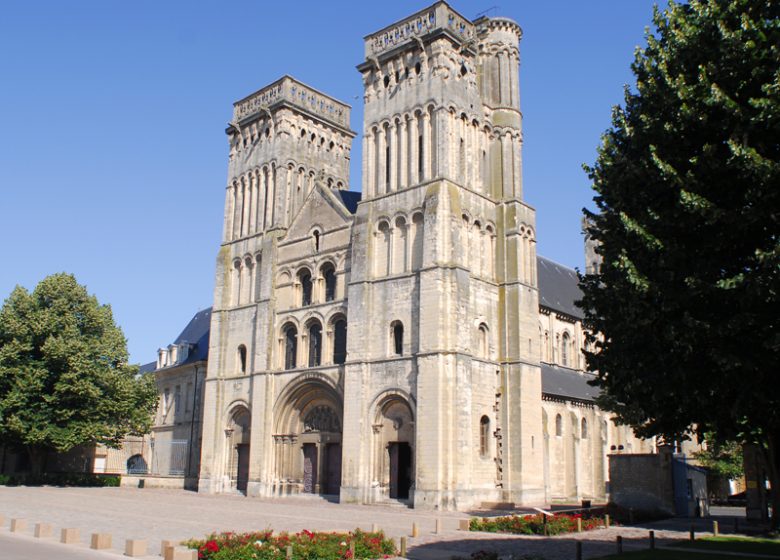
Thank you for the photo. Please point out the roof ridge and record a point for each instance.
(566, 266)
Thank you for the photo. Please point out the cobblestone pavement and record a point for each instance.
(154, 515)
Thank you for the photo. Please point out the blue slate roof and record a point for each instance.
(349, 199)
(558, 289)
(567, 383)
(196, 333)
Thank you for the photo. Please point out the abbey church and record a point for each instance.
(401, 343)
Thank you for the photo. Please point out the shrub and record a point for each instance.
(535, 524)
(59, 479)
(264, 545)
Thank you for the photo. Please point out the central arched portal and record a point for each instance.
(307, 439)
(239, 436)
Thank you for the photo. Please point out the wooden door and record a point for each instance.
(242, 474)
(309, 467)
(333, 468)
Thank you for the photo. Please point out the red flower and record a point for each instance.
(211, 546)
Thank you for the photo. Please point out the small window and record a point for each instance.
(398, 338)
(304, 278)
(484, 435)
(584, 429)
(329, 275)
(290, 346)
(484, 342)
(242, 359)
(316, 236)
(558, 425)
(340, 342)
(315, 345)
(565, 341)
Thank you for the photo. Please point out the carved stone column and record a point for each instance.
(403, 155)
(393, 156)
(414, 153)
(426, 133)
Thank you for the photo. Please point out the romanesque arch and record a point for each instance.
(308, 419)
(393, 434)
(238, 434)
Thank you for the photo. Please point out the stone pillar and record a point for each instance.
(414, 152)
(381, 161)
(403, 156)
(238, 201)
(246, 203)
(227, 234)
(427, 155)
(252, 186)
(368, 161)
(393, 131)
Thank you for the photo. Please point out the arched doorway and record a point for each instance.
(307, 439)
(238, 439)
(393, 429)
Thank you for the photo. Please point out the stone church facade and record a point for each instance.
(405, 343)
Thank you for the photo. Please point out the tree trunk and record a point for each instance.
(37, 456)
(773, 466)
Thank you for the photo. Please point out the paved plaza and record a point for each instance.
(154, 515)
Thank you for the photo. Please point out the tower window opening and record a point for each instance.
(417, 68)
(306, 287)
(340, 342)
(420, 155)
(242, 358)
(290, 346)
(316, 236)
(315, 345)
(484, 435)
(398, 338)
(387, 168)
(386, 81)
(329, 275)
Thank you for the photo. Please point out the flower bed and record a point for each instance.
(265, 545)
(535, 524)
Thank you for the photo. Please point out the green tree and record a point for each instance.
(688, 197)
(64, 377)
(722, 458)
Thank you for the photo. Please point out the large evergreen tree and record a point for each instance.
(64, 377)
(688, 222)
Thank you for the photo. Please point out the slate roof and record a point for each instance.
(568, 383)
(195, 333)
(558, 289)
(349, 199)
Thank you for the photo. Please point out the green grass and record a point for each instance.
(736, 544)
(671, 555)
(733, 545)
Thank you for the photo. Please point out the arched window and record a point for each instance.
(242, 359)
(340, 341)
(329, 276)
(384, 246)
(565, 354)
(315, 344)
(484, 434)
(558, 425)
(316, 238)
(137, 465)
(584, 429)
(290, 346)
(484, 341)
(398, 338)
(304, 277)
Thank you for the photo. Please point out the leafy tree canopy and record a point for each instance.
(64, 377)
(688, 227)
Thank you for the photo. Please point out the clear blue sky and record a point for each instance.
(113, 157)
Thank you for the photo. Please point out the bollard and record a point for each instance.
(463, 525)
(289, 552)
(403, 547)
(100, 541)
(438, 526)
(69, 536)
(18, 525)
(579, 550)
(619, 544)
(652, 540)
(415, 530)
(352, 549)
(135, 548)
(579, 525)
(693, 533)
(180, 553)
(715, 528)
(544, 529)
(374, 528)
(606, 521)
(165, 545)
(42, 531)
